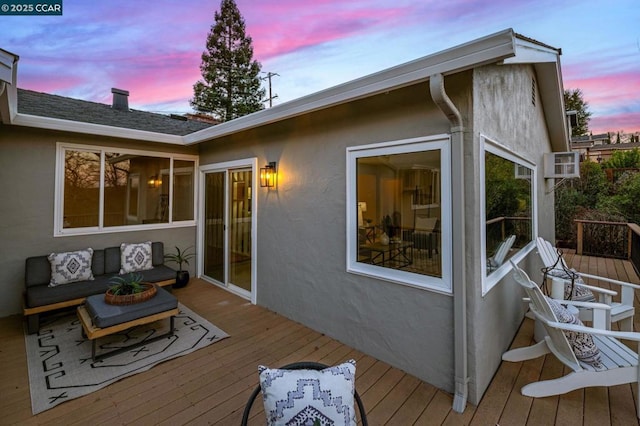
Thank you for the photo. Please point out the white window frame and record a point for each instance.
(496, 148)
(427, 143)
(58, 226)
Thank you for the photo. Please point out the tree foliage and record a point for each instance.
(230, 85)
(593, 197)
(574, 101)
(624, 159)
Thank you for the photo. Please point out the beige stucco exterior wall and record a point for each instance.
(27, 169)
(503, 112)
(301, 265)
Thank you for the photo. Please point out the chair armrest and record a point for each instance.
(610, 280)
(629, 335)
(601, 312)
(590, 287)
(627, 289)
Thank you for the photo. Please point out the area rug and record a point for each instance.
(59, 358)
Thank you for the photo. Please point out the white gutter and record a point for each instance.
(485, 50)
(38, 122)
(439, 96)
(490, 49)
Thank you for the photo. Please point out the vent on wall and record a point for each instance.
(533, 91)
(561, 165)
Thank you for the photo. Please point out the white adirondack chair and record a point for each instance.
(495, 261)
(620, 363)
(621, 312)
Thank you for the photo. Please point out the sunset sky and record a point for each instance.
(153, 48)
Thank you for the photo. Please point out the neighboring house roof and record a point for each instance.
(504, 47)
(54, 106)
(589, 138)
(615, 146)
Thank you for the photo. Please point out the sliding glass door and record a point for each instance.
(227, 229)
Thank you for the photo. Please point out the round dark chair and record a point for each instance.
(305, 365)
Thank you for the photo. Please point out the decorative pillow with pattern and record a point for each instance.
(309, 397)
(135, 257)
(577, 293)
(582, 344)
(70, 267)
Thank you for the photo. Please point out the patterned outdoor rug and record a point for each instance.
(59, 358)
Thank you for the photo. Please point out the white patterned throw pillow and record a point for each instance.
(70, 267)
(309, 397)
(582, 344)
(135, 257)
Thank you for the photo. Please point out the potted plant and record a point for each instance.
(128, 289)
(180, 257)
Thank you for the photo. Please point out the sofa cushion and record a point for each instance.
(105, 315)
(112, 260)
(44, 295)
(158, 273)
(135, 257)
(70, 267)
(157, 256)
(37, 271)
(97, 265)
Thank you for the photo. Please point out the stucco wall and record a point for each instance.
(27, 167)
(504, 112)
(301, 233)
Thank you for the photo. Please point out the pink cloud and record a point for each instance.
(629, 122)
(281, 28)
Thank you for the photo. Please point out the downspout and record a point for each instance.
(436, 86)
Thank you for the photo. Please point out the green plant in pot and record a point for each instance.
(180, 257)
(128, 289)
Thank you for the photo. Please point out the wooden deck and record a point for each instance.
(211, 385)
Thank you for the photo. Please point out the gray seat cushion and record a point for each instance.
(158, 273)
(44, 295)
(105, 315)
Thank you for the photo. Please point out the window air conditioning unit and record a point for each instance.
(561, 165)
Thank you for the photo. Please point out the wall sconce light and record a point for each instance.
(154, 181)
(268, 175)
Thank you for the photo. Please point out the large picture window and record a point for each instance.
(398, 211)
(102, 189)
(508, 207)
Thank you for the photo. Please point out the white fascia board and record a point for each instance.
(528, 52)
(552, 95)
(546, 61)
(7, 61)
(490, 49)
(38, 122)
(8, 89)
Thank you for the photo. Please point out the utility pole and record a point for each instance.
(271, 97)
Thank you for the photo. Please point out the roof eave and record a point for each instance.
(39, 122)
(486, 50)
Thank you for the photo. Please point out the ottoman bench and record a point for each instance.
(100, 319)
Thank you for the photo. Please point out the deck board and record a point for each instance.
(211, 385)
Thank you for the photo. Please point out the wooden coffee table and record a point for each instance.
(93, 332)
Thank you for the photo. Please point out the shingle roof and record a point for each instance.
(54, 106)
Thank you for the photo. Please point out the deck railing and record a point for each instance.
(619, 240)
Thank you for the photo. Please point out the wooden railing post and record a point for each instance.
(629, 237)
(580, 237)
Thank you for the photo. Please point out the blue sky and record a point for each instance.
(153, 48)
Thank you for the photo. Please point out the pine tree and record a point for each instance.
(574, 101)
(230, 86)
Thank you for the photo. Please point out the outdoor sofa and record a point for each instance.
(105, 264)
